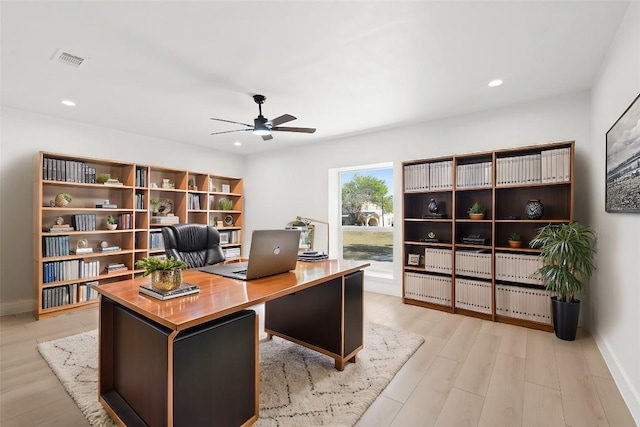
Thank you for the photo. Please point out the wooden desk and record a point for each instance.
(195, 359)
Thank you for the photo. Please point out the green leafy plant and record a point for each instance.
(567, 252)
(111, 220)
(63, 196)
(477, 208)
(151, 264)
(225, 204)
(514, 237)
(103, 177)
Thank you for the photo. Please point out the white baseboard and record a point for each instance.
(629, 392)
(382, 285)
(16, 307)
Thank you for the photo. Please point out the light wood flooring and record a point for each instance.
(468, 372)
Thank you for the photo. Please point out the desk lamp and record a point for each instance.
(302, 223)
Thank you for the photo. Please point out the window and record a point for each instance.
(366, 216)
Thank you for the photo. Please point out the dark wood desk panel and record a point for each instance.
(171, 332)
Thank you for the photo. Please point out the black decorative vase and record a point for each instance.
(534, 209)
(565, 317)
(433, 206)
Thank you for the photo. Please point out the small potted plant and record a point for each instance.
(166, 273)
(112, 223)
(514, 240)
(567, 252)
(225, 204)
(61, 200)
(477, 211)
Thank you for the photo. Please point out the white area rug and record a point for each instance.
(298, 387)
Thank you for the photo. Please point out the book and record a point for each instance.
(107, 206)
(183, 290)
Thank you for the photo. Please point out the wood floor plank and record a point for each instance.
(597, 365)
(541, 365)
(462, 339)
(477, 369)
(381, 413)
(580, 401)
(618, 415)
(542, 406)
(408, 377)
(514, 341)
(428, 398)
(503, 403)
(462, 409)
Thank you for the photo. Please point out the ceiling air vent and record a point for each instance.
(67, 58)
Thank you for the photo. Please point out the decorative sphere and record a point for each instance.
(534, 209)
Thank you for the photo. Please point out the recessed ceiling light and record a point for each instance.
(495, 83)
(237, 143)
(68, 103)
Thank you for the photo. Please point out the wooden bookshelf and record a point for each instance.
(57, 269)
(467, 266)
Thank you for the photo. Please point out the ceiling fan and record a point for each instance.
(262, 126)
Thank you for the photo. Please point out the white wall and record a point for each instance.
(283, 184)
(23, 134)
(615, 290)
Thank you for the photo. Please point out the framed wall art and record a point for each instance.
(622, 189)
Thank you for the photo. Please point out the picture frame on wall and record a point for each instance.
(622, 187)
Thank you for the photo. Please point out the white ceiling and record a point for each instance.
(162, 69)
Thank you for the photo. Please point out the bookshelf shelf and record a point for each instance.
(489, 280)
(53, 257)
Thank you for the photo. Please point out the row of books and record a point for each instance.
(69, 294)
(156, 240)
(84, 222)
(193, 201)
(437, 260)
(58, 271)
(473, 295)
(141, 178)
(518, 268)
(474, 175)
(126, 221)
(428, 176)
(55, 246)
(428, 288)
(544, 167)
(230, 253)
(473, 263)
(523, 303)
(169, 219)
(139, 201)
(67, 170)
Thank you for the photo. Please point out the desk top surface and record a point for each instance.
(220, 296)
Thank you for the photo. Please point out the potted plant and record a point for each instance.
(567, 252)
(514, 240)
(225, 204)
(166, 273)
(112, 223)
(477, 211)
(62, 200)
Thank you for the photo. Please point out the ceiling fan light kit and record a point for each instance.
(263, 126)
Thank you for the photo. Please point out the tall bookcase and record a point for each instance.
(462, 265)
(72, 257)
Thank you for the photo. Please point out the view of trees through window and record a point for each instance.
(367, 216)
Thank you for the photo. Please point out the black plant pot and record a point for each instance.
(565, 318)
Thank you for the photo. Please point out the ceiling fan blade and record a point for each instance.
(230, 121)
(229, 131)
(266, 137)
(282, 119)
(290, 129)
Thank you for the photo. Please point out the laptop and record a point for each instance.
(272, 252)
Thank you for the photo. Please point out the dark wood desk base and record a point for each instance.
(327, 318)
(204, 373)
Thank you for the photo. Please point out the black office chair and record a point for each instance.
(196, 244)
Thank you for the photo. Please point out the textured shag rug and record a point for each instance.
(298, 387)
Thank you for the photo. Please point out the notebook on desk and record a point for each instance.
(272, 252)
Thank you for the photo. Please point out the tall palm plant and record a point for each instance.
(567, 251)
